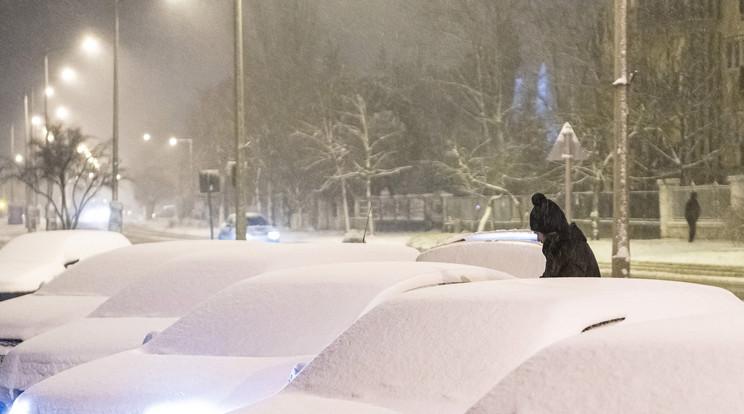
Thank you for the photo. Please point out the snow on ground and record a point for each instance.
(716, 252)
(683, 365)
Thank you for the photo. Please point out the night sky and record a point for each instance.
(170, 52)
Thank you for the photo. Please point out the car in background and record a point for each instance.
(164, 293)
(241, 345)
(167, 212)
(689, 364)
(517, 252)
(29, 260)
(258, 229)
(440, 349)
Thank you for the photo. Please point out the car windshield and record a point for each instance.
(256, 221)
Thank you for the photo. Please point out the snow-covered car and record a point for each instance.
(241, 345)
(161, 296)
(32, 259)
(258, 229)
(683, 365)
(80, 289)
(516, 252)
(439, 350)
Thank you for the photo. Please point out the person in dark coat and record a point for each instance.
(692, 213)
(567, 253)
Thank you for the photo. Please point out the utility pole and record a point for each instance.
(621, 192)
(240, 220)
(116, 207)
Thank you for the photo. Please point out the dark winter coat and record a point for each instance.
(566, 251)
(692, 208)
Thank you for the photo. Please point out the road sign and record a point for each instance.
(566, 148)
(567, 144)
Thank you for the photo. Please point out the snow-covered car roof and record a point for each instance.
(86, 285)
(308, 307)
(439, 350)
(495, 235)
(174, 289)
(522, 259)
(32, 259)
(241, 344)
(683, 365)
(96, 277)
(105, 274)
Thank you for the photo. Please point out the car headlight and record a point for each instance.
(273, 235)
(21, 406)
(183, 407)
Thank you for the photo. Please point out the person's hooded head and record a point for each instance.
(546, 217)
(693, 195)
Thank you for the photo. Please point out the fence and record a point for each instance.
(653, 214)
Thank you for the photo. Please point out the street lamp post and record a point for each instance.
(115, 218)
(240, 219)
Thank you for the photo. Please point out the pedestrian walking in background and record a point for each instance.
(692, 213)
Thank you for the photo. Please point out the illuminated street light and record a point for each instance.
(146, 137)
(50, 137)
(91, 45)
(62, 113)
(68, 74)
(19, 158)
(36, 120)
(49, 91)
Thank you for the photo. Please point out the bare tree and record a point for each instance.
(369, 133)
(77, 172)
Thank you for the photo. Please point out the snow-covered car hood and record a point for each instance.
(26, 276)
(693, 364)
(26, 316)
(133, 381)
(72, 344)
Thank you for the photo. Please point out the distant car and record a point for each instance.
(440, 349)
(32, 259)
(693, 364)
(241, 345)
(168, 211)
(162, 294)
(258, 229)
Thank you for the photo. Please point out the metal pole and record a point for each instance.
(115, 219)
(46, 96)
(30, 225)
(567, 204)
(240, 220)
(115, 160)
(621, 193)
(12, 155)
(50, 221)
